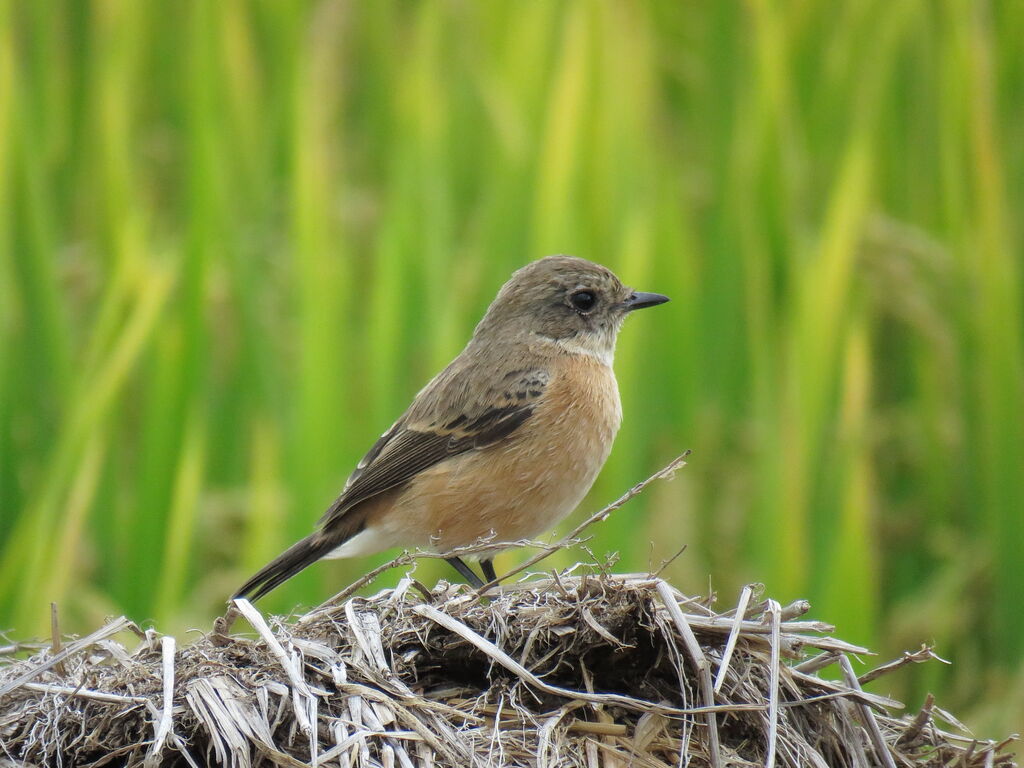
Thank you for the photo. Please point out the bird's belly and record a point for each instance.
(523, 486)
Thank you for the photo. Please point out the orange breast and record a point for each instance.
(522, 486)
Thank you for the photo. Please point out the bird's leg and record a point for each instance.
(487, 566)
(466, 571)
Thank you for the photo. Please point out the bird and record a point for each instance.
(503, 443)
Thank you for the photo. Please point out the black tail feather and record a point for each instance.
(294, 559)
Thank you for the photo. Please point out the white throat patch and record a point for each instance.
(599, 346)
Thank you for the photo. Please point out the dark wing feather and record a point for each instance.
(411, 445)
(374, 451)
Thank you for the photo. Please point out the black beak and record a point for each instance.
(640, 300)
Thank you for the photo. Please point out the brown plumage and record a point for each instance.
(504, 442)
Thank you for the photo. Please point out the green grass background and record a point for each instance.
(236, 236)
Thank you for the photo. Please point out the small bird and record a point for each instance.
(499, 446)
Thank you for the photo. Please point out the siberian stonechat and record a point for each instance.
(503, 443)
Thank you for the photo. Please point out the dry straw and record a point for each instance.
(575, 668)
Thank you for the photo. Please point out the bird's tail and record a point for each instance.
(294, 559)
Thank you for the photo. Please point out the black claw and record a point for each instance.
(466, 571)
(487, 566)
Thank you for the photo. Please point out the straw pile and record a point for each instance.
(579, 668)
(570, 669)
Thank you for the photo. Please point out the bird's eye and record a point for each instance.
(583, 301)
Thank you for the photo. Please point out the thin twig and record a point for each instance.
(409, 557)
(925, 653)
(600, 515)
(668, 561)
(55, 639)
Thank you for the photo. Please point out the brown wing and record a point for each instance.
(428, 434)
(467, 407)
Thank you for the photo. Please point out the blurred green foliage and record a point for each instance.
(236, 236)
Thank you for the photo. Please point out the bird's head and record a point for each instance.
(570, 301)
